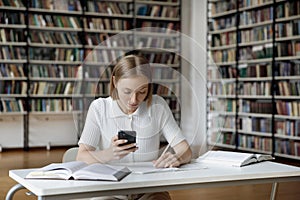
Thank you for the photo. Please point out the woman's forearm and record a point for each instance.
(90, 155)
(183, 152)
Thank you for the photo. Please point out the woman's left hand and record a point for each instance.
(167, 160)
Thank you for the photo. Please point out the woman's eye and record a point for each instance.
(142, 92)
(127, 92)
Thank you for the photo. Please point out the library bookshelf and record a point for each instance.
(57, 56)
(253, 76)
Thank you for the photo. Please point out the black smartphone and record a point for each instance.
(130, 136)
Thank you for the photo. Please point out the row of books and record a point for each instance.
(226, 105)
(260, 33)
(259, 106)
(224, 138)
(225, 22)
(288, 147)
(12, 18)
(287, 69)
(218, 88)
(108, 40)
(263, 107)
(103, 73)
(12, 35)
(255, 142)
(11, 70)
(54, 71)
(287, 9)
(95, 89)
(13, 87)
(163, 73)
(11, 105)
(220, 122)
(107, 7)
(157, 42)
(107, 56)
(256, 70)
(54, 21)
(245, 53)
(158, 11)
(263, 125)
(103, 55)
(46, 37)
(225, 72)
(255, 124)
(291, 88)
(288, 48)
(256, 52)
(256, 16)
(283, 10)
(56, 54)
(255, 88)
(45, 88)
(157, 26)
(16, 3)
(290, 108)
(51, 105)
(12, 53)
(222, 39)
(215, 73)
(166, 89)
(162, 58)
(224, 55)
(70, 5)
(250, 3)
(107, 24)
(222, 6)
(287, 127)
(288, 29)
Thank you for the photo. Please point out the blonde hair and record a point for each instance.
(130, 66)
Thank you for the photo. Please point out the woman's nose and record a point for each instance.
(133, 98)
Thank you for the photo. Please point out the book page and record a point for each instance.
(146, 168)
(262, 157)
(226, 157)
(71, 167)
(98, 171)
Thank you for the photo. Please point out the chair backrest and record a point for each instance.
(70, 154)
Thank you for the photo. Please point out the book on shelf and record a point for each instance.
(79, 170)
(236, 159)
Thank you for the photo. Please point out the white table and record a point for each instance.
(208, 175)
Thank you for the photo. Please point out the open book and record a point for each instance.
(236, 159)
(80, 171)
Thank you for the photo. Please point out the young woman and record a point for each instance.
(131, 106)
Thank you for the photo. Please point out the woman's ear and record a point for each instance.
(114, 81)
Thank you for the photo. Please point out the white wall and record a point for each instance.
(194, 29)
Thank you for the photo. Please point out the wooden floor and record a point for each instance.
(14, 159)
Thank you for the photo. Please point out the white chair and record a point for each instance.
(70, 154)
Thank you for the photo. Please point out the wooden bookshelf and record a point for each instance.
(254, 49)
(57, 57)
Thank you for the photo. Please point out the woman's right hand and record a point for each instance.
(117, 151)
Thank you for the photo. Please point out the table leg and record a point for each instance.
(13, 190)
(274, 190)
